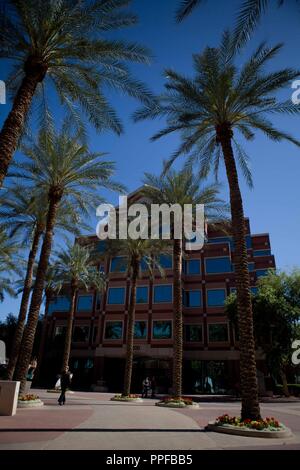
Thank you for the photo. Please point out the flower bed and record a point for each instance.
(268, 427)
(128, 398)
(177, 402)
(29, 401)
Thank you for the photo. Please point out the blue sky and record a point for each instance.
(273, 204)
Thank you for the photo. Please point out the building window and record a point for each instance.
(142, 295)
(218, 332)
(81, 334)
(116, 295)
(163, 294)
(193, 333)
(144, 264)
(140, 330)
(59, 304)
(251, 267)
(118, 264)
(162, 329)
(192, 298)
(113, 330)
(216, 297)
(254, 290)
(262, 272)
(84, 303)
(101, 246)
(192, 266)
(60, 331)
(261, 252)
(165, 261)
(218, 265)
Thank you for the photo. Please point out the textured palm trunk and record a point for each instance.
(14, 123)
(178, 326)
(48, 295)
(24, 306)
(37, 294)
(68, 339)
(248, 377)
(285, 387)
(130, 330)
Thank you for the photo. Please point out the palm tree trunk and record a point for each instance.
(178, 327)
(23, 307)
(130, 329)
(48, 295)
(14, 123)
(68, 339)
(37, 294)
(285, 387)
(248, 377)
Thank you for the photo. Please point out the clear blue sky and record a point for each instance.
(273, 205)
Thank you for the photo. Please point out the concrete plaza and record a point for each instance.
(90, 421)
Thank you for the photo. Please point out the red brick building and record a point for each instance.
(211, 347)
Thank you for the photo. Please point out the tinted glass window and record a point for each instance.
(118, 264)
(192, 298)
(116, 295)
(59, 304)
(216, 297)
(81, 334)
(218, 265)
(261, 252)
(193, 333)
(218, 332)
(162, 329)
(113, 330)
(84, 303)
(163, 293)
(140, 330)
(142, 295)
(165, 261)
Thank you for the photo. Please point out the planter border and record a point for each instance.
(127, 399)
(247, 432)
(175, 405)
(30, 403)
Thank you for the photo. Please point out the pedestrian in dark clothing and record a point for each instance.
(153, 387)
(65, 382)
(146, 387)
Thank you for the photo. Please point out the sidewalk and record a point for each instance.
(89, 421)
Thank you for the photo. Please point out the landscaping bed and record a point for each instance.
(130, 398)
(176, 402)
(268, 427)
(29, 401)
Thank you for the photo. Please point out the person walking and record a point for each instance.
(146, 387)
(65, 383)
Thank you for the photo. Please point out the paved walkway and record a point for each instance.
(90, 421)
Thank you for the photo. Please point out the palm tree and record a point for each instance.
(61, 44)
(207, 109)
(133, 253)
(72, 179)
(182, 188)
(73, 270)
(8, 262)
(248, 16)
(23, 213)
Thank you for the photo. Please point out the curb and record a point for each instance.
(30, 404)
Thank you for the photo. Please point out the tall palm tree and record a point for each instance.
(209, 110)
(23, 213)
(75, 178)
(61, 44)
(182, 188)
(8, 262)
(134, 252)
(73, 271)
